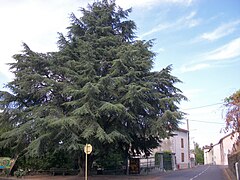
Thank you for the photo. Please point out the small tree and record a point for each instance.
(232, 118)
(199, 154)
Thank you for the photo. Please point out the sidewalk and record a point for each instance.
(229, 174)
(154, 175)
(151, 176)
(95, 177)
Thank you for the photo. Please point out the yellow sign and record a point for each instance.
(5, 162)
(88, 148)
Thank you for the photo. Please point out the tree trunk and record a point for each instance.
(81, 165)
(126, 163)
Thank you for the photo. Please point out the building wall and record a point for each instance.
(218, 153)
(168, 144)
(173, 144)
(182, 163)
(226, 147)
(209, 155)
(207, 158)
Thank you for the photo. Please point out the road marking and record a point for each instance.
(199, 173)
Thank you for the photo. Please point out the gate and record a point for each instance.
(167, 161)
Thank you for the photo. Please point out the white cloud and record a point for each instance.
(183, 22)
(161, 50)
(159, 28)
(193, 23)
(227, 51)
(191, 15)
(221, 31)
(151, 3)
(195, 67)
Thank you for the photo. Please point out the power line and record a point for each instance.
(203, 106)
(206, 121)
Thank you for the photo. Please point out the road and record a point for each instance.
(207, 172)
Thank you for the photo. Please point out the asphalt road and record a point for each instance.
(206, 172)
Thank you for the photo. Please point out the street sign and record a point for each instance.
(88, 148)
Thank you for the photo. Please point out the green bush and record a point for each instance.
(19, 173)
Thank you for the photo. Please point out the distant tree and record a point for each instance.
(199, 154)
(232, 104)
(98, 89)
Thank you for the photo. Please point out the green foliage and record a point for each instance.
(4, 172)
(111, 161)
(199, 154)
(58, 159)
(167, 152)
(19, 173)
(98, 89)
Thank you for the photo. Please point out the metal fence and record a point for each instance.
(237, 169)
(143, 165)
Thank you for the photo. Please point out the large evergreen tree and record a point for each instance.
(98, 88)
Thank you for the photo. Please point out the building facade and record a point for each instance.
(218, 153)
(178, 144)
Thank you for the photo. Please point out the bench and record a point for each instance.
(58, 171)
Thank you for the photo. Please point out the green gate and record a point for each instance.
(167, 161)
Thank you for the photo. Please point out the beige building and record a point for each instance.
(218, 153)
(178, 145)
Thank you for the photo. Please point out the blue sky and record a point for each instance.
(200, 38)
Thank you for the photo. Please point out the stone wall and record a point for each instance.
(232, 159)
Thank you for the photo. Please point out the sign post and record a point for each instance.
(87, 150)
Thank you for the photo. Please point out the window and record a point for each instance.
(182, 145)
(182, 157)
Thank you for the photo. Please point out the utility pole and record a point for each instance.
(188, 143)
